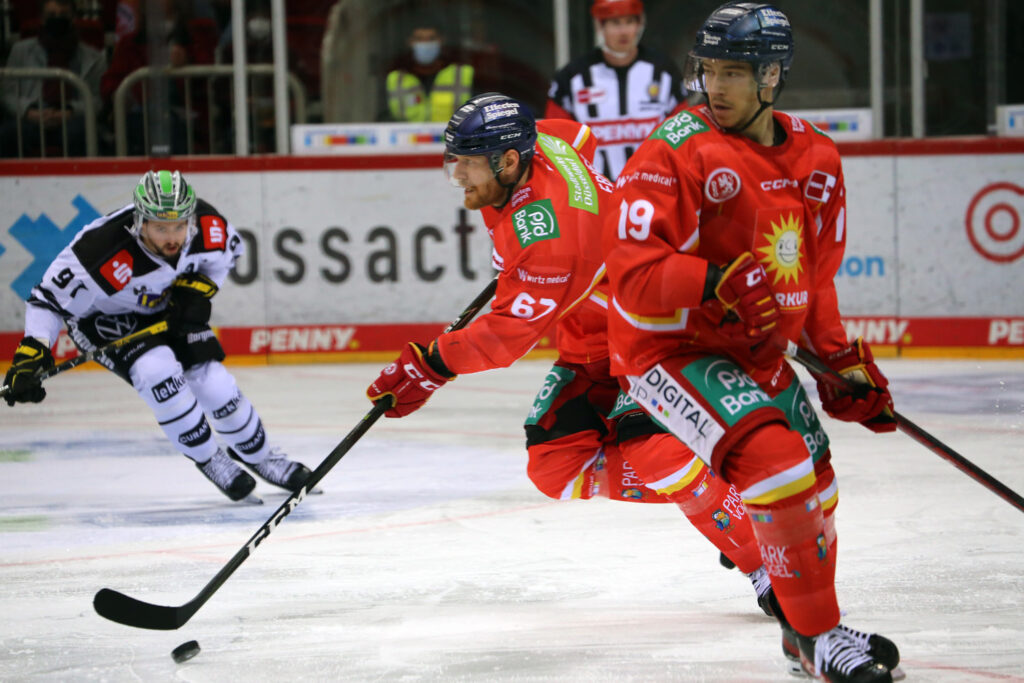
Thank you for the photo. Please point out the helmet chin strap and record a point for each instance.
(760, 110)
(509, 187)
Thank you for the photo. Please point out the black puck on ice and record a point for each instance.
(185, 651)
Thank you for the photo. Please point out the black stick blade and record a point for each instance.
(126, 610)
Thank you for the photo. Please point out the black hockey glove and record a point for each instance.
(30, 358)
(189, 307)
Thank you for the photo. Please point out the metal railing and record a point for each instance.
(65, 76)
(298, 95)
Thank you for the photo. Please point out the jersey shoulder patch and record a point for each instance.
(110, 254)
(212, 227)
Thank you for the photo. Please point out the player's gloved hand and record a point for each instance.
(739, 297)
(189, 307)
(30, 358)
(409, 381)
(870, 404)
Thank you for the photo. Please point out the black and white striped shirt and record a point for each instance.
(622, 105)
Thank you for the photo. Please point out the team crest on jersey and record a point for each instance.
(653, 90)
(118, 270)
(214, 231)
(535, 222)
(779, 246)
(722, 185)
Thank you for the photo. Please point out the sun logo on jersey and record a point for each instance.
(782, 253)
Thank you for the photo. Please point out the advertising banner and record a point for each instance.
(351, 256)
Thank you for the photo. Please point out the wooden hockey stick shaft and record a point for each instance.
(155, 328)
(820, 369)
(129, 611)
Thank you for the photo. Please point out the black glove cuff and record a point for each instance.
(432, 354)
(711, 281)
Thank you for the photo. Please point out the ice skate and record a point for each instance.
(763, 588)
(837, 656)
(878, 647)
(277, 469)
(231, 479)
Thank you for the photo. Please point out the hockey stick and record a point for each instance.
(155, 328)
(126, 610)
(819, 369)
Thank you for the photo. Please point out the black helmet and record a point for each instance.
(753, 32)
(489, 124)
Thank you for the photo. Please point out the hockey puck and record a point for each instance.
(185, 651)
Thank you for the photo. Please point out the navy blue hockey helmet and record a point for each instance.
(753, 32)
(489, 124)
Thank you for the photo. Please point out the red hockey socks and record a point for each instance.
(773, 471)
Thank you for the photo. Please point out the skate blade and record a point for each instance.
(251, 500)
(898, 674)
(794, 668)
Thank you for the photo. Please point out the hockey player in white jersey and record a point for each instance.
(163, 256)
(622, 89)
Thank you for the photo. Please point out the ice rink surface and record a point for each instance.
(430, 557)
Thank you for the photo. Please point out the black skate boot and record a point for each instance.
(763, 588)
(277, 469)
(231, 479)
(836, 656)
(878, 648)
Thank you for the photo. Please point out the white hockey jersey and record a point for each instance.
(622, 105)
(106, 269)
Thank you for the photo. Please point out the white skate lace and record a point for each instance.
(839, 650)
(276, 466)
(762, 582)
(859, 636)
(221, 469)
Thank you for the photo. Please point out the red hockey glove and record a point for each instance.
(870, 404)
(30, 358)
(742, 290)
(410, 380)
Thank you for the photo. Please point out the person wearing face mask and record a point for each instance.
(621, 89)
(38, 102)
(427, 84)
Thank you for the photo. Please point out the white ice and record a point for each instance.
(430, 557)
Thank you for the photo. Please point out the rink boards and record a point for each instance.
(349, 257)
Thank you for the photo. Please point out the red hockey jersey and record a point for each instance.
(547, 249)
(693, 194)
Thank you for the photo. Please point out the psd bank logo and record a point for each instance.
(44, 240)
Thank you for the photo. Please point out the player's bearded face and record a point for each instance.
(473, 174)
(732, 91)
(165, 238)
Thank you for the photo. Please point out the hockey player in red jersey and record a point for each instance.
(729, 228)
(543, 204)
(622, 89)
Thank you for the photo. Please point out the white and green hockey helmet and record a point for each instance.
(163, 196)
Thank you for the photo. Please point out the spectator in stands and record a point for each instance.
(37, 103)
(427, 84)
(132, 52)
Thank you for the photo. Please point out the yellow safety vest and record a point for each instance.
(408, 101)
